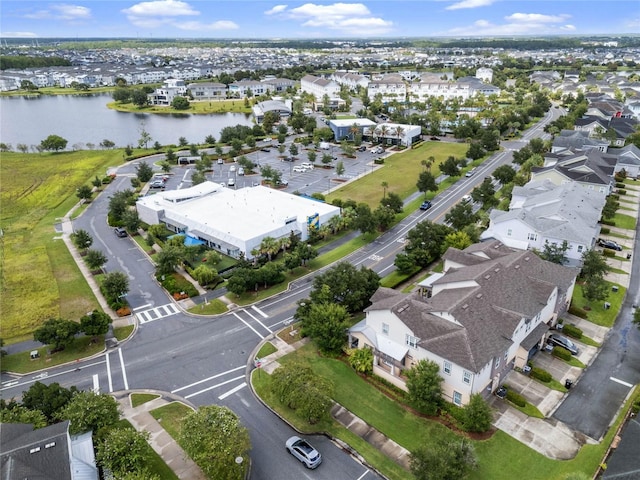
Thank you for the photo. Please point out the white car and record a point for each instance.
(231, 183)
(240, 171)
(299, 169)
(307, 165)
(304, 452)
(466, 198)
(232, 168)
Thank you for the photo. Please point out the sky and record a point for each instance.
(316, 19)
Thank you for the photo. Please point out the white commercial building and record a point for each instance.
(234, 222)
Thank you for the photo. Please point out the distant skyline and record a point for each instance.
(316, 19)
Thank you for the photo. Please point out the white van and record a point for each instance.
(231, 183)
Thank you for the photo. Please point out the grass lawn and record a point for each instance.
(138, 399)
(408, 430)
(624, 221)
(213, 307)
(199, 107)
(400, 171)
(122, 333)
(170, 417)
(80, 348)
(597, 313)
(266, 349)
(36, 191)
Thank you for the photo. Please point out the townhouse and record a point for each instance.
(486, 313)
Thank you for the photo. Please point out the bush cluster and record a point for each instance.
(177, 284)
(572, 331)
(611, 223)
(605, 230)
(608, 253)
(541, 374)
(561, 353)
(577, 311)
(516, 398)
(622, 192)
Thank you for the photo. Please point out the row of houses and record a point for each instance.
(491, 307)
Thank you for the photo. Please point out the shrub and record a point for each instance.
(572, 331)
(622, 192)
(611, 223)
(516, 398)
(561, 353)
(577, 311)
(541, 374)
(379, 161)
(620, 185)
(123, 311)
(605, 230)
(609, 253)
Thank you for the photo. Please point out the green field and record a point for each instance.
(39, 278)
(400, 171)
(200, 107)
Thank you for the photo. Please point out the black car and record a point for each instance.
(609, 244)
(265, 150)
(564, 342)
(362, 148)
(434, 139)
(426, 205)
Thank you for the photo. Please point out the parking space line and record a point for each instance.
(621, 382)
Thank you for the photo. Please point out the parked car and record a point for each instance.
(435, 139)
(120, 232)
(232, 168)
(289, 159)
(299, 169)
(157, 184)
(609, 244)
(220, 161)
(240, 171)
(501, 392)
(231, 183)
(470, 173)
(362, 148)
(307, 165)
(426, 205)
(284, 183)
(303, 451)
(564, 342)
(265, 150)
(466, 198)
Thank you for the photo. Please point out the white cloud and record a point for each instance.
(207, 27)
(536, 18)
(161, 8)
(61, 12)
(518, 24)
(19, 35)
(469, 4)
(276, 9)
(353, 19)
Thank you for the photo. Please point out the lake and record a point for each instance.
(86, 119)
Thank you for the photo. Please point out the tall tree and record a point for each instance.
(123, 450)
(426, 183)
(95, 323)
(424, 384)
(89, 411)
(48, 399)
(444, 461)
(81, 239)
(57, 332)
(348, 286)
(115, 285)
(326, 324)
(54, 142)
(95, 259)
(144, 172)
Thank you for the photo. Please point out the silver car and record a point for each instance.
(303, 451)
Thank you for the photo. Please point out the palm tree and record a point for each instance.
(383, 132)
(399, 131)
(354, 130)
(384, 186)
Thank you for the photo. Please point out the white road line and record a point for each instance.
(363, 475)
(157, 313)
(124, 372)
(215, 386)
(621, 382)
(263, 325)
(142, 306)
(207, 379)
(109, 373)
(242, 320)
(29, 381)
(232, 391)
(264, 315)
(96, 384)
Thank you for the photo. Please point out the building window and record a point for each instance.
(457, 398)
(506, 355)
(411, 341)
(466, 377)
(580, 247)
(497, 362)
(385, 328)
(447, 368)
(532, 236)
(509, 232)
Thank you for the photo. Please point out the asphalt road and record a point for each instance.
(205, 359)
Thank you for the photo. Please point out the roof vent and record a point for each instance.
(479, 295)
(465, 306)
(50, 445)
(403, 308)
(516, 267)
(487, 277)
(34, 450)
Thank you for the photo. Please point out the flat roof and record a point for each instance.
(245, 213)
(361, 122)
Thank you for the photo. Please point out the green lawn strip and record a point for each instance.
(170, 417)
(199, 107)
(597, 313)
(574, 362)
(400, 171)
(80, 348)
(142, 243)
(122, 333)
(618, 270)
(624, 221)
(491, 453)
(267, 349)
(155, 464)
(138, 399)
(528, 410)
(212, 307)
(588, 341)
(395, 278)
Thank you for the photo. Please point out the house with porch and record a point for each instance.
(486, 313)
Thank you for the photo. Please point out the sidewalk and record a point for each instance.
(161, 442)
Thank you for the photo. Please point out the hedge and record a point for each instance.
(611, 223)
(561, 353)
(622, 192)
(516, 398)
(572, 331)
(540, 374)
(608, 253)
(578, 312)
(605, 230)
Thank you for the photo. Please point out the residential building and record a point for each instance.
(486, 313)
(172, 88)
(542, 212)
(390, 88)
(319, 87)
(49, 452)
(234, 222)
(208, 91)
(628, 159)
(282, 109)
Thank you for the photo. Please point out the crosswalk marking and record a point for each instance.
(157, 313)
